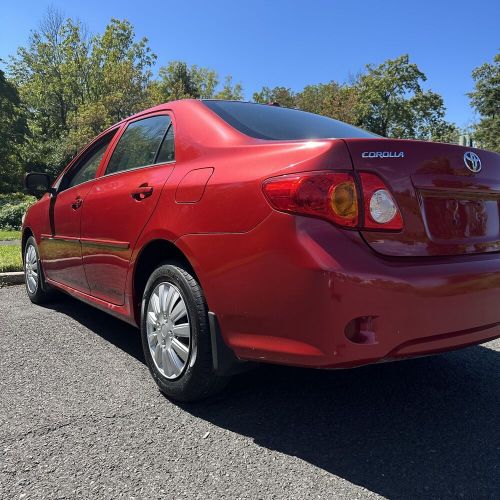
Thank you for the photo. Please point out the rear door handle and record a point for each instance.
(77, 203)
(142, 192)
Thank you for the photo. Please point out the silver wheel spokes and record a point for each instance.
(31, 268)
(168, 330)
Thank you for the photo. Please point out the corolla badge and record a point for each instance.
(383, 154)
(472, 162)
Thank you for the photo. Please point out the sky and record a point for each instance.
(295, 43)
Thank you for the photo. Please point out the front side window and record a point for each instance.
(139, 145)
(167, 152)
(86, 167)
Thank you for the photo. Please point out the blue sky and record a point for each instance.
(294, 43)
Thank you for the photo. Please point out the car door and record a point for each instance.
(121, 202)
(61, 249)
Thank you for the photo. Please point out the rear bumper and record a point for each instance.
(445, 342)
(287, 291)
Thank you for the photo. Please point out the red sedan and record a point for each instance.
(232, 232)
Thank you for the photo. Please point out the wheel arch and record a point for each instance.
(27, 232)
(149, 258)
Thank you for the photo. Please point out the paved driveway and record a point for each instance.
(80, 417)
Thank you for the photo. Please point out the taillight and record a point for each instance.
(333, 196)
(380, 208)
(329, 195)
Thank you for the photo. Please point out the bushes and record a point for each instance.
(12, 208)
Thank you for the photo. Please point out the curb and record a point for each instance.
(10, 243)
(16, 278)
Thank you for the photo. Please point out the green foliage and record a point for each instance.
(15, 198)
(13, 129)
(179, 81)
(50, 74)
(12, 207)
(330, 99)
(386, 99)
(117, 84)
(486, 100)
(66, 86)
(392, 102)
(229, 91)
(74, 85)
(281, 95)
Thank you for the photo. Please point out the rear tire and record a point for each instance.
(38, 291)
(176, 337)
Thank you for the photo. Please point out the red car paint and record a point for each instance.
(290, 288)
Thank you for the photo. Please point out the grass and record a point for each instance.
(9, 235)
(10, 258)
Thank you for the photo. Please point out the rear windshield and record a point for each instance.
(275, 123)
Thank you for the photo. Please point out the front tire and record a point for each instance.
(176, 337)
(37, 289)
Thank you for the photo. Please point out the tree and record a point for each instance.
(229, 91)
(486, 100)
(386, 99)
(66, 86)
(116, 84)
(74, 85)
(392, 102)
(330, 99)
(48, 73)
(177, 80)
(282, 95)
(12, 133)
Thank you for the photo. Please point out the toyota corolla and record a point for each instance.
(233, 233)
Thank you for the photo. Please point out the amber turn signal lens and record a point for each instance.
(344, 200)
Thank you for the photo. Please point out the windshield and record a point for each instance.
(263, 121)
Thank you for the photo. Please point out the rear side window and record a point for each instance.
(139, 145)
(275, 123)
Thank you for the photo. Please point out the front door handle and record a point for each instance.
(77, 203)
(142, 192)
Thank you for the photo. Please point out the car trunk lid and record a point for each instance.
(447, 208)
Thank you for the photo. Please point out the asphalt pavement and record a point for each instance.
(80, 417)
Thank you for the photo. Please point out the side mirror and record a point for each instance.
(37, 183)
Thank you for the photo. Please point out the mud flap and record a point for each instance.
(225, 362)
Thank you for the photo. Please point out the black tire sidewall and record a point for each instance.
(40, 295)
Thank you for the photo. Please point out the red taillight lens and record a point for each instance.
(329, 195)
(380, 208)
